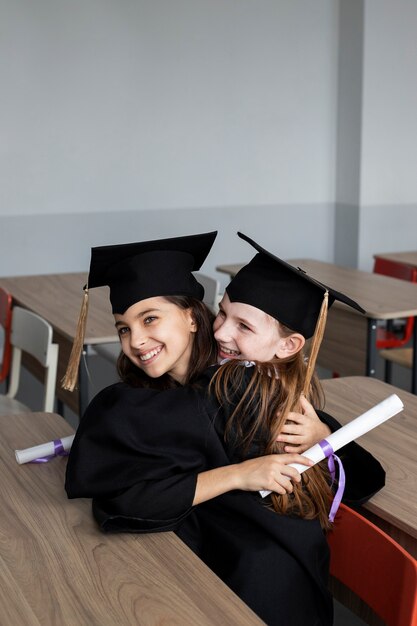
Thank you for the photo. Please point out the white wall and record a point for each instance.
(121, 111)
(127, 105)
(130, 119)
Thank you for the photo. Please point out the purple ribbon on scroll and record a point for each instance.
(59, 450)
(331, 458)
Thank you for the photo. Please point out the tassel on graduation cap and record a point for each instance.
(316, 343)
(69, 381)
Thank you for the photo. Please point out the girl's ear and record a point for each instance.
(191, 320)
(287, 346)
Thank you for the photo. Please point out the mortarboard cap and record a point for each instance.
(289, 295)
(163, 267)
(136, 271)
(285, 292)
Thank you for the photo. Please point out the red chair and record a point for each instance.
(6, 323)
(385, 337)
(376, 568)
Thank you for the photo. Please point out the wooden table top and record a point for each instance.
(57, 298)
(56, 567)
(408, 258)
(382, 297)
(393, 443)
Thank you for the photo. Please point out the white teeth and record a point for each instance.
(226, 351)
(149, 355)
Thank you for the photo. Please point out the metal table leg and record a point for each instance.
(371, 351)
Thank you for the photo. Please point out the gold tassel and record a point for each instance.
(315, 343)
(70, 379)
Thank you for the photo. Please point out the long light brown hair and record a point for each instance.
(203, 352)
(259, 415)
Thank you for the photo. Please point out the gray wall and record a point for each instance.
(41, 244)
(376, 198)
(129, 119)
(389, 142)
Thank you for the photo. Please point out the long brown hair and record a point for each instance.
(259, 414)
(203, 352)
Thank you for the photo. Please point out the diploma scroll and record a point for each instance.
(353, 430)
(44, 450)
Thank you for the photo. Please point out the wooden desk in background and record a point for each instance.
(394, 444)
(56, 567)
(349, 343)
(57, 298)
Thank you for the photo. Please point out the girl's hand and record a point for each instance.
(271, 472)
(306, 430)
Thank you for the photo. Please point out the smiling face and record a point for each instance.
(157, 336)
(245, 332)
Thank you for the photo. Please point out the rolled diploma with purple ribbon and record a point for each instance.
(43, 450)
(353, 430)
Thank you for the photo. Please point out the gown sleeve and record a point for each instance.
(365, 475)
(137, 454)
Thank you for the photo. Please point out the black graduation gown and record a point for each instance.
(137, 453)
(277, 564)
(284, 581)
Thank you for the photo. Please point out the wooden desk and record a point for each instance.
(56, 567)
(349, 343)
(406, 258)
(394, 444)
(231, 269)
(57, 298)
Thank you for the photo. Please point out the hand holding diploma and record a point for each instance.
(353, 430)
(45, 451)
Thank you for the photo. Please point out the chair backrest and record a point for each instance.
(374, 567)
(6, 323)
(211, 290)
(32, 334)
(395, 269)
(403, 272)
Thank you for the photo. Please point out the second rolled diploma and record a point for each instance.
(378, 414)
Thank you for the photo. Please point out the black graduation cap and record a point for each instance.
(163, 267)
(285, 292)
(136, 271)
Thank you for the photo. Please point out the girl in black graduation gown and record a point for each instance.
(140, 453)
